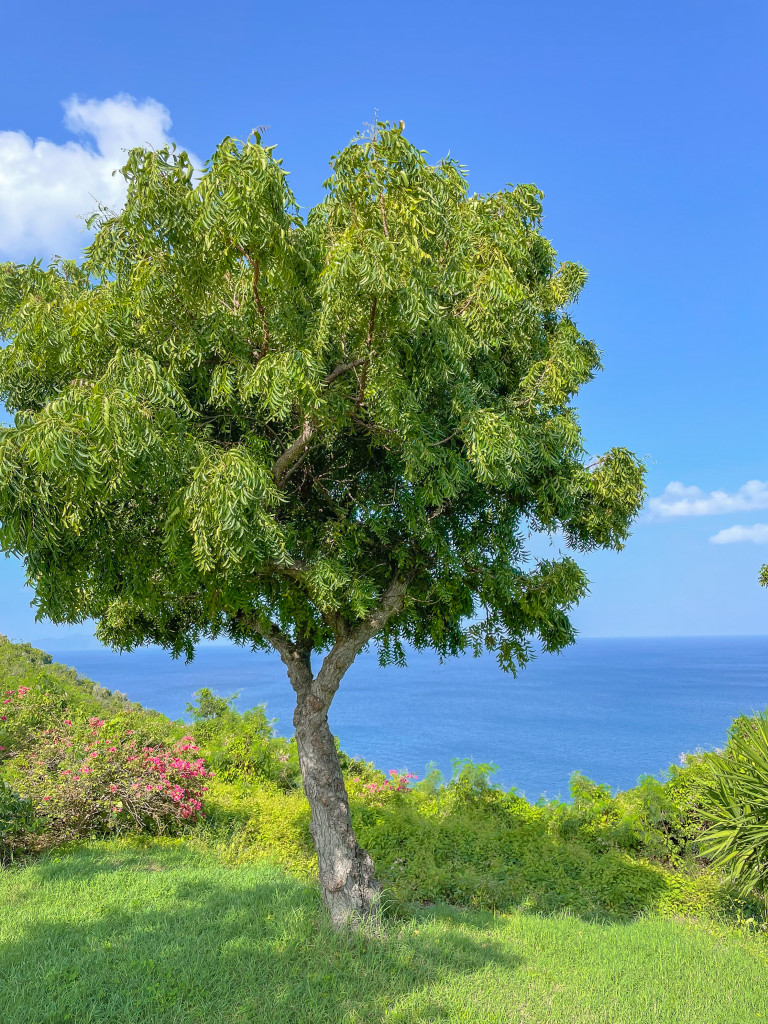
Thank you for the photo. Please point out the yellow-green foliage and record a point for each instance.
(58, 692)
(495, 851)
(463, 842)
(467, 846)
(247, 823)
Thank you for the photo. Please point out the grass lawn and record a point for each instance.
(144, 934)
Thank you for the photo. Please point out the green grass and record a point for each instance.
(158, 933)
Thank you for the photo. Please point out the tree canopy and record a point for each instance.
(233, 419)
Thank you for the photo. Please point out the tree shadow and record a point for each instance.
(147, 937)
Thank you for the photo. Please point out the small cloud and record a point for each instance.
(679, 500)
(758, 534)
(46, 188)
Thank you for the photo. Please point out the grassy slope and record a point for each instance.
(152, 933)
(166, 932)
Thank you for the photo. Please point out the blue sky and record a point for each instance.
(644, 125)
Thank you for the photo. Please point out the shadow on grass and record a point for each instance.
(148, 937)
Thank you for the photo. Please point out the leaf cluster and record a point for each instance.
(735, 804)
(233, 420)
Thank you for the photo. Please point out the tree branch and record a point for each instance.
(292, 453)
(345, 368)
(297, 571)
(296, 660)
(283, 465)
(373, 428)
(266, 628)
(346, 649)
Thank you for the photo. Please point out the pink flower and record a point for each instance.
(113, 788)
(67, 721)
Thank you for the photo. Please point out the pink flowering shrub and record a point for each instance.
(398, 782)
(86, 780)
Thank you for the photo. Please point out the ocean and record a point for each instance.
(612, 709)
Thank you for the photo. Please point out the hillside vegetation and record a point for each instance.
(136, 847)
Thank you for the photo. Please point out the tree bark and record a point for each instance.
(350, 889)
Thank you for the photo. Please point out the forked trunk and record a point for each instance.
(350, 890)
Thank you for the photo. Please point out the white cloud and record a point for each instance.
(758, 534)
(679, 500)
(46, 188)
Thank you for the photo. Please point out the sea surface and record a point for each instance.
(611, 709)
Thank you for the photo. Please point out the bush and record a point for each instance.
(242, 747)
(17, 818)
(598, 819)
(470, 844)
(735, 803)
(250, 822)
(86, 762)
(103, 782)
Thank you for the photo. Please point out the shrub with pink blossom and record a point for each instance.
(85, 779)
(383, 786)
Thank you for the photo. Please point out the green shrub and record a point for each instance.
(735, 803)
(250, 822)
(24, 665)
(673, 811)
(463, 841)
(45, 696)
(470, 780)
(598, 819)
(242, 747)
(17, 819)
(660, 821)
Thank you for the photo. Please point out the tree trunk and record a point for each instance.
(350, 890)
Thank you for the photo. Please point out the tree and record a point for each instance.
(306, 434)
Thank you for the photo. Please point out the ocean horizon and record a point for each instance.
(614, 709)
